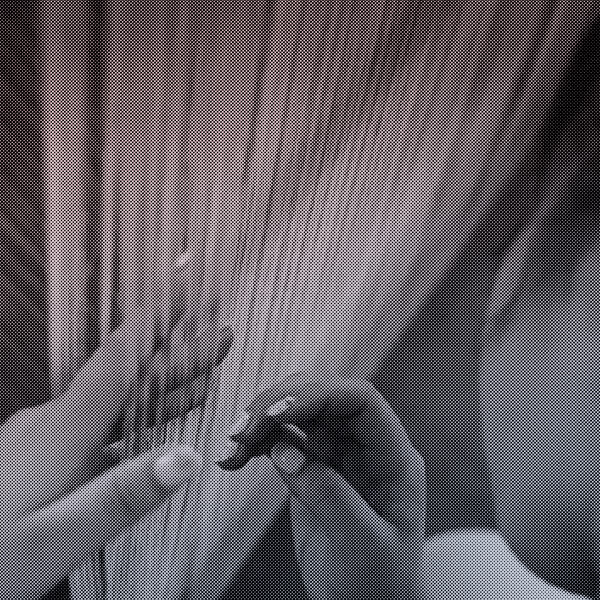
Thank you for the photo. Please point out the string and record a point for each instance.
(297, 220)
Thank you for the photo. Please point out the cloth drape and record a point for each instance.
(23, 352)
(322, 163)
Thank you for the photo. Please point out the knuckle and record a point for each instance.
(177, 336)
(368, 390)
(262, 401)
(290, 385)
(286, 387)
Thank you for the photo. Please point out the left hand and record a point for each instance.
(58, 504)
(357, 484)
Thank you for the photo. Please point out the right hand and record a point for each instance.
(357, 486)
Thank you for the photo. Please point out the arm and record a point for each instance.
(58, 505)
(477, 564)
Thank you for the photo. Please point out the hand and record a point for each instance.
(357, 484)
(58, 505)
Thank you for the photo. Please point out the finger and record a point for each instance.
(185, 361)
(334, 505)
(234, 455)
(114, 453)
(97, 394)
(350, 428)
(254, 434)
(191, 356)
(174, 380)
(260, 426)
(353, 409)
(344, 547)
(38, 550)
(340, 567)
(300, 400)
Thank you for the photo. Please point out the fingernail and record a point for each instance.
(228, 450)
(297, 437)
(280, 407)
(287, 458)
(239, 425)
(177, 467)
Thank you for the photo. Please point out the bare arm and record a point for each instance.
(477, 564)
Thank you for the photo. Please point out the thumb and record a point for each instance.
(343, 547)
(335, 507)
(39, 549)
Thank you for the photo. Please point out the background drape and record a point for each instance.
(23, 340)
(338, 157)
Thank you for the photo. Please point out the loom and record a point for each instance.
(317, 165)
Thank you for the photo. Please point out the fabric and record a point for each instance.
(539, 375)
(23, 339)
(24, 365)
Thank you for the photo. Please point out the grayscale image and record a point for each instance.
(300, 300)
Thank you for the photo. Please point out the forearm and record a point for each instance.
(478, 565)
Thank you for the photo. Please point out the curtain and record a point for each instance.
(320, 164)
(23, 344)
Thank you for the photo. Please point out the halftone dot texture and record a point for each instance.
(323, 165)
